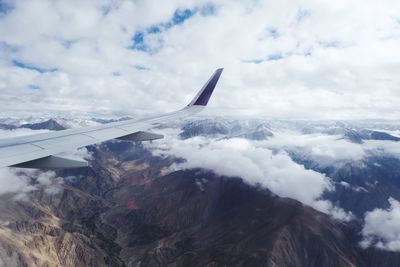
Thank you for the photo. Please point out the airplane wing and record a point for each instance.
(43, 150)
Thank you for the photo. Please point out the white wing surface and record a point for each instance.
(41, 150)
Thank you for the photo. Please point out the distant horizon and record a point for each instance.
(40, 117)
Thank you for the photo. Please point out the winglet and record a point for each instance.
(202, 97)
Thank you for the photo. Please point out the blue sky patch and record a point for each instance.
(274, 33)
(109, 7)
(178, 18)
(23, 65)
(138, 42)
(308, 53)
(181, 15)
(154, 29)
(330, 44)
(302, 14)
(275, 57)
(33, 87)
(8, 48)
(67, 43)
(5, 7)
(272, 57)
(208, 10)
(254, 61)
(141, 67)
(105, 9)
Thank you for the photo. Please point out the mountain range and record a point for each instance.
(136, 207)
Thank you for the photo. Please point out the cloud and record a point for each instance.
(255, 164)
(330, 150)
(19, 182)
(10, 182)
(23, 65)
(383, 147)
(71, 51)
(326, 150)
(382, 227)
(271, 164)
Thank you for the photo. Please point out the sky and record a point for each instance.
(282, 59)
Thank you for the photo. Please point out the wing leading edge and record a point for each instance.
(42, 150)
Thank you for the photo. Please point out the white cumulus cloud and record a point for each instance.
(255, 164)
(19, 182)
(282, 59)
(325, 149)
(382, 227)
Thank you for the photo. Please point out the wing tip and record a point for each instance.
(203, 96)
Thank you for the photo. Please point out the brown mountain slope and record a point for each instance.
(223, 222)
(124, 212)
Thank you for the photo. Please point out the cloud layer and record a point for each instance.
(270, 163)
(282, 59)
(256, 164)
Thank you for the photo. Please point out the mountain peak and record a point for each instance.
(50, 124)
